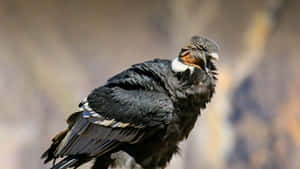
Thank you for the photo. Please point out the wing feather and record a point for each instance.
(117, 113)
(88, 138)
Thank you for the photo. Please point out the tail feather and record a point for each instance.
(50, 153)
(65, 163)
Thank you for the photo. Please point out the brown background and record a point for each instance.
(54, 52)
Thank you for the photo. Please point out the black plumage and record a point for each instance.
(145, 111)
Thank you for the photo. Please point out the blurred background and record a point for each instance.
(54, 52)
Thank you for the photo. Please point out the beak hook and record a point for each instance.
(214, 56)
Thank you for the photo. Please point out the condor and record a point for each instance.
(144, 111)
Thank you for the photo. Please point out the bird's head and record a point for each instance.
(200, 53)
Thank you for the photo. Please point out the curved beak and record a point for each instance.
(214, 56)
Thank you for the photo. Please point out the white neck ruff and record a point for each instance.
(178, 66)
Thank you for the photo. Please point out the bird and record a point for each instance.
(144, 111)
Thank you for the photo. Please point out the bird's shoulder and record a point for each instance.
(150, 74)
(137, 107)
(136, 96)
